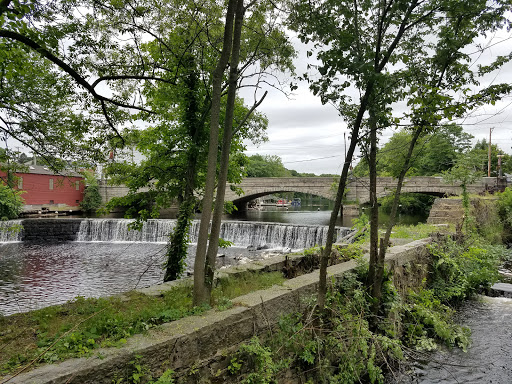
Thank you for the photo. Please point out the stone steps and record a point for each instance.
(446, 211)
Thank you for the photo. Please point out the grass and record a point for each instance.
(79, 327)
(416, 232)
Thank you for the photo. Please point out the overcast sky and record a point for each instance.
(309, 136)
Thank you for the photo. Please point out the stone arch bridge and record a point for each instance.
(358, 188)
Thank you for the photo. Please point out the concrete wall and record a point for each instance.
(204, 341)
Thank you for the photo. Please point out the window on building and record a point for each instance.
(51, 184)
(77, 201)
(77, 185)
(52, 202)
(20, 183)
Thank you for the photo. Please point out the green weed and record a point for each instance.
(79, 327)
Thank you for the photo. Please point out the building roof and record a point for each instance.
(44, 170)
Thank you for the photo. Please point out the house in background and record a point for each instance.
(45, 190)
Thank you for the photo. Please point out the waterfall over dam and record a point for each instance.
(241, 233)
(11, 231)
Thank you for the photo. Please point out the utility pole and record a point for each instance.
(500, 172)
(489, 161)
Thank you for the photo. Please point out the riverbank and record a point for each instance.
(240, 322)
(256, 314)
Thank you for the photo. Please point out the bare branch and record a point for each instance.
(249, 113)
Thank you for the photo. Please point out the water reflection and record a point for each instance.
(34, 276)
(291, 216)
(316, 215)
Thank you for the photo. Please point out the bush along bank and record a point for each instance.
(343, 344)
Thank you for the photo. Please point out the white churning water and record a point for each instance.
(242, 233)
(11, 231)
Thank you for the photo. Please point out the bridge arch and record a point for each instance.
(241, 201)
(433, 192)
(357, 188)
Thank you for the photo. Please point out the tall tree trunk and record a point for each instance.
(178, 240)
(374, 206)
(213, 244)
(379, 67)
(354, 139)
(200, 293)
(379, 268)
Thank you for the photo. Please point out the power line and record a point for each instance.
(303, 161)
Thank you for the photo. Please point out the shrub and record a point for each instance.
(410, 203)
(92, 197)
(505, 209)
(459, 271)
(11, 203)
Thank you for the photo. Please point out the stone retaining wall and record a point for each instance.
(50, 230)
(203, 341)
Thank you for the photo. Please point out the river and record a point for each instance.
(488, 360)
(107, 258)
(319, 214)
(36, 275)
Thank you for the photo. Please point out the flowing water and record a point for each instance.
(488, 360)
(109, 258)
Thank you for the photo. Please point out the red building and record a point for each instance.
(46, 190)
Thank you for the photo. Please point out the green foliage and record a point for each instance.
(504, 205)
(464, 173)
(336, 348)
(11, 202)
(340, 345)
(166, 378)
(427, 320)
(481, 152)
(135, 372)
(265, 166)
(415, 232)
(410, 203)
(225, 243)
(177, 247)
(460, 271)
(140, 206)
(107, 322)
(488, 222)
(258, 357)
(434, 152)
(39, 105)
(362, 225)
(92, 197)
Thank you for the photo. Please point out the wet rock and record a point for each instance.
(501, 289)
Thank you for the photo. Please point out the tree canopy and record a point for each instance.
(434, 152)
(265, 166)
